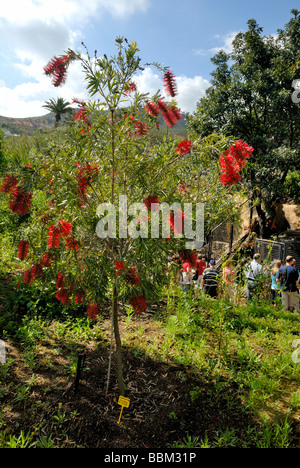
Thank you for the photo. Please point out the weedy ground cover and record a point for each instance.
(207, 374)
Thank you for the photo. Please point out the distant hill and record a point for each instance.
(29, 125)
(12, 126)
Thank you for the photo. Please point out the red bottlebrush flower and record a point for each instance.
(132, 276)
(63, 296)
(58, 66)
(72, 244)
(138, 303)
(162, 106)
(175, 112)
(172, 116)
(82, 116)
(176, 221)
(66, 228)
(131, 88)
(29, 277)
(20, 202)
(33, 273)
(23, 250)
(152, 109)
(47, 259)
(232, 161)
(230, 169)
(37, 270)
(60, 282)
(53, 238)
(79, 297)
(149, 201)
(184, 147)
(170, 84)
(93, 311)
(85, 175)
(141, 129)
(9, 183)
(119, 266)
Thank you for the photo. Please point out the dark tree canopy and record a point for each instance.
(250, 97)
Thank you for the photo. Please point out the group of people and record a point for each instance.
(283, 279)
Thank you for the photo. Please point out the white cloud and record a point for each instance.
(22, 11)
(190, 90)
(32, 31)
(226, 40)
(225, 44)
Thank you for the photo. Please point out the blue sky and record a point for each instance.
(183, 35)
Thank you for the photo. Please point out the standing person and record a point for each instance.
(186, 275)
(228, 277)
(210, 280)
(275, 289)
(201, 265)
(252, 272)
(288, 278)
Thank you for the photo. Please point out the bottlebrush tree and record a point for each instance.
(106, 154)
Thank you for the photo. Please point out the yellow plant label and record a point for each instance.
(125, 402)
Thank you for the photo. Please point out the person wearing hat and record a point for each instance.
(287, 279)
(210, 280)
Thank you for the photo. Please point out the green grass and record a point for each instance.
(243, 354)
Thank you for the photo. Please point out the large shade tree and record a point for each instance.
(250, 97)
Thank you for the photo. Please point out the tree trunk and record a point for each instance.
(118, 342)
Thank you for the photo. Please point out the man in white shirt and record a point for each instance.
(252, 272)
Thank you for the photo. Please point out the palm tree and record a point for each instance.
(58, 107)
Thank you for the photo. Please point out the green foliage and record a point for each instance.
(251, 98)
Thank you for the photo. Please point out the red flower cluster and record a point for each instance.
(82, 115)
(85, 175)
(119, 266)
(232, 161)
(132, 276)
(63, 229)
(33, 273)
(131, 88)
(53, 238)
(58, 66)
(150, 200)
(152, 109)
(176, 221)
(20, 202)
(23, 250)
(170, 114)
(37, 269)
(60, 282)
(72, 244)
(47, 259)
(79, 297)
(141, 129)
(184, 147)
(93, 311)
(138, 303)
(170, 84)
(9, 183)
(63, 296)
